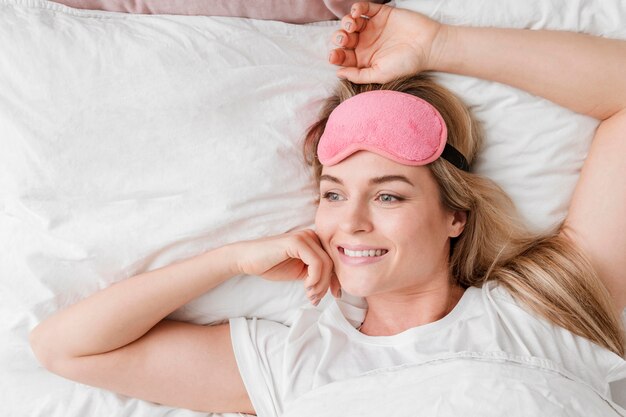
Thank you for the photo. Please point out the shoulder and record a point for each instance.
(502, 306)
(307, 325)
(330, 318)
(519, 330)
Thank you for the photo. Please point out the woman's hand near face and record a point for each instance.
(390, 44)
(296, 255)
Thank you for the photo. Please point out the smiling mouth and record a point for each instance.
(362, 253)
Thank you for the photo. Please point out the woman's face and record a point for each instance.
(370, 205)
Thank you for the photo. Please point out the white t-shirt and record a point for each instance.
(278, 363)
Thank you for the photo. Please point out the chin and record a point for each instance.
(357, 288)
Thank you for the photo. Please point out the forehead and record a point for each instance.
(362, 166)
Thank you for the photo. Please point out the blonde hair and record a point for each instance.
(546, 272)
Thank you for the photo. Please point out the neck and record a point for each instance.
(390, 314)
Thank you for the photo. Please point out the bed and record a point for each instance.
(128, 142)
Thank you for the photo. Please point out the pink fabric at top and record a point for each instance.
(291, 11)
(398, 126)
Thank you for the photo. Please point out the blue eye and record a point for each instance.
(388, 198)
(330, 196)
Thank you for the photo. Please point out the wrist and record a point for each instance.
(225, 257)
(443, 51)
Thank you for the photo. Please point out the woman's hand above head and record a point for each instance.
(290, 256)
(388, 44)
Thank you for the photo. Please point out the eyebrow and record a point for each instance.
(375, 180)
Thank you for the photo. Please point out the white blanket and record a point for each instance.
(468, 385)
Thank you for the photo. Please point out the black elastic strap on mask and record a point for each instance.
(455, 157)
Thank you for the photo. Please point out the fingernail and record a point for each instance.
(348, 25)
(309, 288)
(339, 38)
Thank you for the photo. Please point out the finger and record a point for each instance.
(316, 245)
(317, 284)
(301, 249)
(343, 57)
(364, 8)
(364, 75)
(344, 39)
(348, 23)
(316, 288)
(335, 286)
(351, 25)
(308, 282)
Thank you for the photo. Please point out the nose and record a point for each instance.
(355, 218)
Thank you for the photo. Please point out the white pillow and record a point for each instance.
(604, 18)
(132, 141)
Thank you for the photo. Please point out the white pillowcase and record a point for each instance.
(129, 142)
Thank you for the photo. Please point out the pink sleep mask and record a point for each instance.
(398, 126)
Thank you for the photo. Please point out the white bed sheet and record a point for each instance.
(128, 142)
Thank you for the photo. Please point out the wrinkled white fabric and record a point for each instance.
(467, 384)
(280, 364)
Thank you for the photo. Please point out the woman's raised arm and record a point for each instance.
(585, 74)
(581, 72)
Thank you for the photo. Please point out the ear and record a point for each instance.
(459, 218)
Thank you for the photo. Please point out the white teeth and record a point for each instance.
(364, 253)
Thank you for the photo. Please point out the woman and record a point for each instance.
(402, 224)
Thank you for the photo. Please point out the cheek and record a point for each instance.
(420, 235)
(323, 226)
